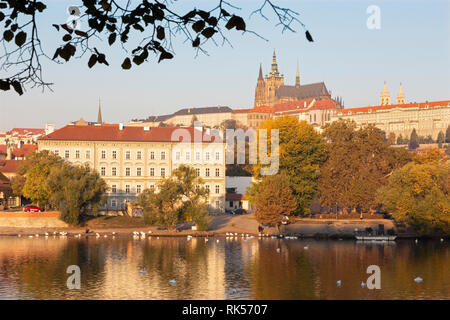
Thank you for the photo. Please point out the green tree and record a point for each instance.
(413, 140)
(440, 139)
(181, 197)
(273, 199)
(391, 138)
(301, 154)
(17, 184)
(358, 163)
(36, 169)
(75, 190)
(419, 194)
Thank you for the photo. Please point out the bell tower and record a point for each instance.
(400, 95)
(385, 98)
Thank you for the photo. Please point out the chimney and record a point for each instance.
(8, 152)
(120, 126)
(49, 128)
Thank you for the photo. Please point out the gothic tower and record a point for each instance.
(297, 77)
(385, 98)
(260, 89)
(400, 95)
(273, 81)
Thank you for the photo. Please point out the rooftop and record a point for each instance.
(420, 105)
(9, 166)
(112, 132)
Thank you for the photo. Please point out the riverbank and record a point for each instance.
(221, 225)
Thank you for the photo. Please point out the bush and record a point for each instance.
(200, 215)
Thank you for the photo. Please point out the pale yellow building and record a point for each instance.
(428, 118)
(131, 159)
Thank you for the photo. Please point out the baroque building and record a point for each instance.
(428, 118)
(131, 159)
(271, 89)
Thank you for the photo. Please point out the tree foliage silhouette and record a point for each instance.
(149, 25)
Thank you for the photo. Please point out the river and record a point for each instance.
(178, 268)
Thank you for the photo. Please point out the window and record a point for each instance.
(207, 187)
(152, 155)
(152, 187)
(139, 155)
(127, 188)
(217, 172)
(197, 156)
(152, 172)
(88, 154)
(197, 171)
(207, 172)
(113, 203)
(103, 171)
(103, 154)
(114, 154)
(217, 188)
(67, 154)
(138, 172)
(138, 188)
(207, 156)
(163, 172)
(127, 172)
(77, 154)
(163, 155)
(177, 156)
(128, 155)
(56, 152)
(113, 188)
(217, 156)
(188, 156)
(217, 204)
(114, 171)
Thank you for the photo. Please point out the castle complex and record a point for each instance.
(271, 90)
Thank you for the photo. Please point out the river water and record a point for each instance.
(132, 268)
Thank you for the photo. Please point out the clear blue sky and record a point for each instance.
(412, 47)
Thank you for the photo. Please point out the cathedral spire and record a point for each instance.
(99, 115)
(297, 77)
(260, 77)
(274, 69)
(400, 95)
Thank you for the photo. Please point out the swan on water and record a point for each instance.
(338, 283)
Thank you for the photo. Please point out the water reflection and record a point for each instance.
(127, 268)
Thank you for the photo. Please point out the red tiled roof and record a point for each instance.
(9, 166)
(3, 179)
(111, 132)
(420, 105)
(298, 106)
(235, 197)
(292, 105)
(27, 131)
(25, 150)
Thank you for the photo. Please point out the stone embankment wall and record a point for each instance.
(31, 220)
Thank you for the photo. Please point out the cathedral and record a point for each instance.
(271, 90)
